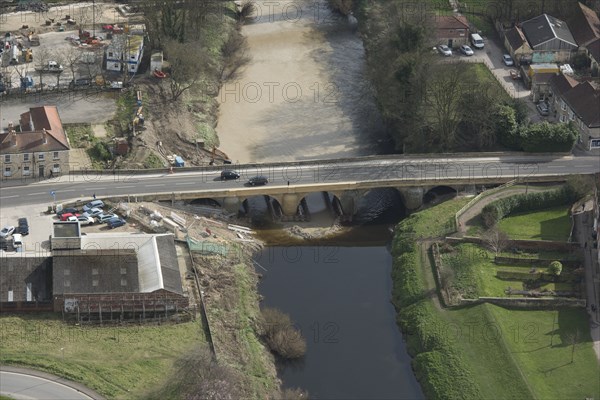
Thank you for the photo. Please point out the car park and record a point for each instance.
(23, 226)
(444, 50)
(65, 216)
(543, 108)
(258, 180)
(102, 218)
(466, 50)
(508, 61)
(94, 212)
(7, 231)
(229, 174)
(115, 222)
(92, 204)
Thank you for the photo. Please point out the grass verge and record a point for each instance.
(118, 362)
(549, 224)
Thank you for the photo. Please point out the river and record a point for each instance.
(339, 296)
(304, 93)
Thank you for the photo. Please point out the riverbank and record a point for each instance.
(482, 351)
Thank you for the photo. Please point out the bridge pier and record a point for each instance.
(349, 200)
(231, 204)
(412, 197)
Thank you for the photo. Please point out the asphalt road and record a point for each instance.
(433, 171)
(21, 386)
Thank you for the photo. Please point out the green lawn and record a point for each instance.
(550, 224)
(118, 362)
(540, 342)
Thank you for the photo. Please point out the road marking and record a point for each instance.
(124, 187)
(100, 188)
(69, 190)
(8, 197)
(160, 184)
(35, 194)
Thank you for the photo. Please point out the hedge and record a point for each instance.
(495, 211)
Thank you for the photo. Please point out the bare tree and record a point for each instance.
(71, 57)
(41, 57)
(495, 239)
(187, 64)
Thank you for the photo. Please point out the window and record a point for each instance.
(55, 155)
(95, 282)
(110, 54)
(123, 271)
(123, 282)
(56, 168)
(7, 158)
(94, 271)
(563, 105)
(67, 283)
(40, 156)
(7, 171)
(116, 65)
(563, 118)
(67, 272)
(26, 170)
(594, 144)
(26, 157)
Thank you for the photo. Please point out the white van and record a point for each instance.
(477, 41)
(17, 240)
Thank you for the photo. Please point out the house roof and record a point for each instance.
(594, 49)
(168, 263)
(585, 25)
(443, 22)
(31, 138)
(544, 28)
(561, 84)
(515, 38)
(584, 100)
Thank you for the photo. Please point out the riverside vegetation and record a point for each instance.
(483, 351)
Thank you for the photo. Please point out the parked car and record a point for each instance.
(83, 220)
(7, 231)
(52, 66)
(102, 218)
(80, 82)
(508, 61)
(66, 216)
(466, 50)
(444, 50)
(543, 108)
(94, 212)
(115, 222)
(92, 204)
(67, 210)
(23, 226)
(229, 174)
(258, 180)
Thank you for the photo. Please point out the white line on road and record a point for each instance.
(68, 190)
(8, 197)
(35, 194)
(100, 188)
(124, 187)
(160, 184)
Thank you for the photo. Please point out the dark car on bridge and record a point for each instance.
(258, 180)
(229, 174)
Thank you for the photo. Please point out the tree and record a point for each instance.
(546, 137)
(71, 57)
(42, 56)
(555, 268)
(495, 239)
(186, 64)
(507, 127)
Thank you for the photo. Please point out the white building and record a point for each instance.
(125, 51)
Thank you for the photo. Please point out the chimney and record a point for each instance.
(45, 135)
(13, 137)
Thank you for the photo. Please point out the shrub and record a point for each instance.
(280, 335)
(546, 137)
(555, 268)
(100, 152)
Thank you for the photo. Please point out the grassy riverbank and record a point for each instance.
(483, 351)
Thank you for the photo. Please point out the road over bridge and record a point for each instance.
(347, 179)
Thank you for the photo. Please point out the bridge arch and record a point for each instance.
(432, 194)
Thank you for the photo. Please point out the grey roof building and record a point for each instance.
(545, 31)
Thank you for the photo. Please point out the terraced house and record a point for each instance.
(577, 102)
(37, 148)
